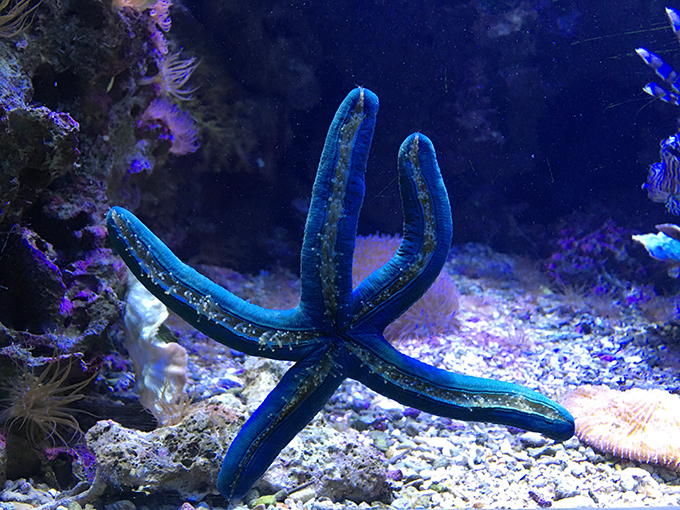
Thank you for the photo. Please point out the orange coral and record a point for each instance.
(637, 424)
(432, 315)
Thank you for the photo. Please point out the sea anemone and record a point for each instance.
(38, 404)
(432, 315)
(16, 17)
(172, 77)
(637, 424)
(180, 125)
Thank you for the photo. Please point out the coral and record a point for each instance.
(637, 424)
(180, 126)
(160, 367)
(160, 14)
(39, 404)
(433, 314)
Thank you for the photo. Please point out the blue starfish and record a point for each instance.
(336, 331)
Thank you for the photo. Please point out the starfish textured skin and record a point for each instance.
(336, 331)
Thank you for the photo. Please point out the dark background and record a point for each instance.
(536, 110)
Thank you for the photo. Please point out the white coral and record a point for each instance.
(160, 367)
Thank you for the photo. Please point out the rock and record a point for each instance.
(533, 439)
(575, 502)
(184, 458)
(566, 488)
(303, 495)
(261, 375)
(340, 465)
(631, 477)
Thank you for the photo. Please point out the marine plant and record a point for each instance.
(160, 367)
(335, 332)
(39, 404)
(663, 181)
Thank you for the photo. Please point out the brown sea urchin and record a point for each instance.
(638, 424)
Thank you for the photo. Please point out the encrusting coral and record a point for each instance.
(638, 424)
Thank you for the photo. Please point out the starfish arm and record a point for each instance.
(428, 230)
(302, 392)
(413, 383)
(210, 308)
(328, 245)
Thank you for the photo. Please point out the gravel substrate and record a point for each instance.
(512, 328)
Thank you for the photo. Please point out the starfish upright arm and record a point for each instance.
(301, 393)
(428, 229)
(413, 383)
(210, 308)
(337, 196)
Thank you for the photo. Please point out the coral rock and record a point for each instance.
(637, 424)
(340, 465)
(184, 458)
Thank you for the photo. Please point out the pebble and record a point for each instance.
(442, 463)
(303, 495)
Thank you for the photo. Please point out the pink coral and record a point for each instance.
(181, 126)
(432, 315)
(639, 424)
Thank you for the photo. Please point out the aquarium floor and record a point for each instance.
(513, 328)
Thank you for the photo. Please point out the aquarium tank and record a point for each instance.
(315, 255)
